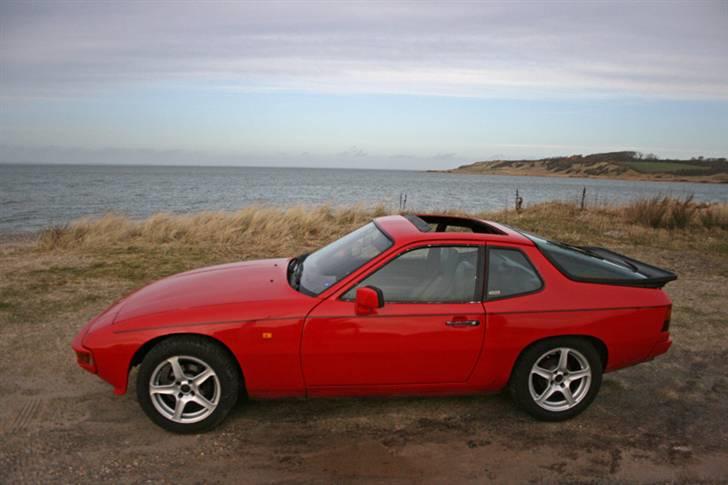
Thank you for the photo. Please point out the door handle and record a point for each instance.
(462, 323)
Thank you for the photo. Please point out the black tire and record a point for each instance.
(196, 354)
(557, 407)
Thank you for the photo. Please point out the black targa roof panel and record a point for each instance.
(424, 223)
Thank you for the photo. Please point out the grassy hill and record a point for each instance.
(619, 165)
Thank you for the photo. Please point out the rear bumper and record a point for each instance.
(661, 346)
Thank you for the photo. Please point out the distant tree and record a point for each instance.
(650, 156)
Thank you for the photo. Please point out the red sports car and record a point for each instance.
(404, 305)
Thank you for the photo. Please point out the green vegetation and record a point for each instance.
(650, 166)
(622, 165)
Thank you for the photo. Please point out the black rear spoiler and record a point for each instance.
(655, 277)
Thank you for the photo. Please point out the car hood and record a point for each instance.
(251, 290)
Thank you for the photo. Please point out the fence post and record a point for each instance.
(505, 208)
(583, 198)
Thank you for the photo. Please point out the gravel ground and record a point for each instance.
(656, 422)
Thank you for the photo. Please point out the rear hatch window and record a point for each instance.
(599, 265)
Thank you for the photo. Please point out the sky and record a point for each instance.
(378, 84)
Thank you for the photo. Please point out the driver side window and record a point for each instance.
(447, 274)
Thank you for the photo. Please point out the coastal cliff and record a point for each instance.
(628, 165)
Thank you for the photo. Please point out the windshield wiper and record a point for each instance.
(575, 248)
(291, 269)
(594, 254)
(295, 269)
(618, 257)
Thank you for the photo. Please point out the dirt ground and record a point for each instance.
(661, 421)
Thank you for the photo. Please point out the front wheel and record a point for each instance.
(187, 384)
(557, 379)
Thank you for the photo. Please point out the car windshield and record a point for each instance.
(332, 263)
(583, 264)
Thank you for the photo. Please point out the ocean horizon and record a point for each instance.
(35, 196)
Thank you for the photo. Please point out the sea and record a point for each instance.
(33, 197)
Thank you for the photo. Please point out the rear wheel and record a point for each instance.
(188, 384)
(557, 379)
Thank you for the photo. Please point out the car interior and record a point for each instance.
(431, 274)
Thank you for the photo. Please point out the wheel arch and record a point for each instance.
(142, 351)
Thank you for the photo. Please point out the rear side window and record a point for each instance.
(510, 273)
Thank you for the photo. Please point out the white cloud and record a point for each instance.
(675, 50)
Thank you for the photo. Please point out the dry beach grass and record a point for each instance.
(660, 421)
(289, 229)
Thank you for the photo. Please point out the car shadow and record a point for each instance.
(310, 410)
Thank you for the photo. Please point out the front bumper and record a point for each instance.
(99, 351)
(84, 357)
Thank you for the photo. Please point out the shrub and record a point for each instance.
(674, 213)
(714, 216)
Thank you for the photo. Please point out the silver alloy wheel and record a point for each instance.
(184, 389)
(560, 379)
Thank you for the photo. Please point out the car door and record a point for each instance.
(429, 330)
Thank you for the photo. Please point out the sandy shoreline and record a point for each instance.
(18, 237)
